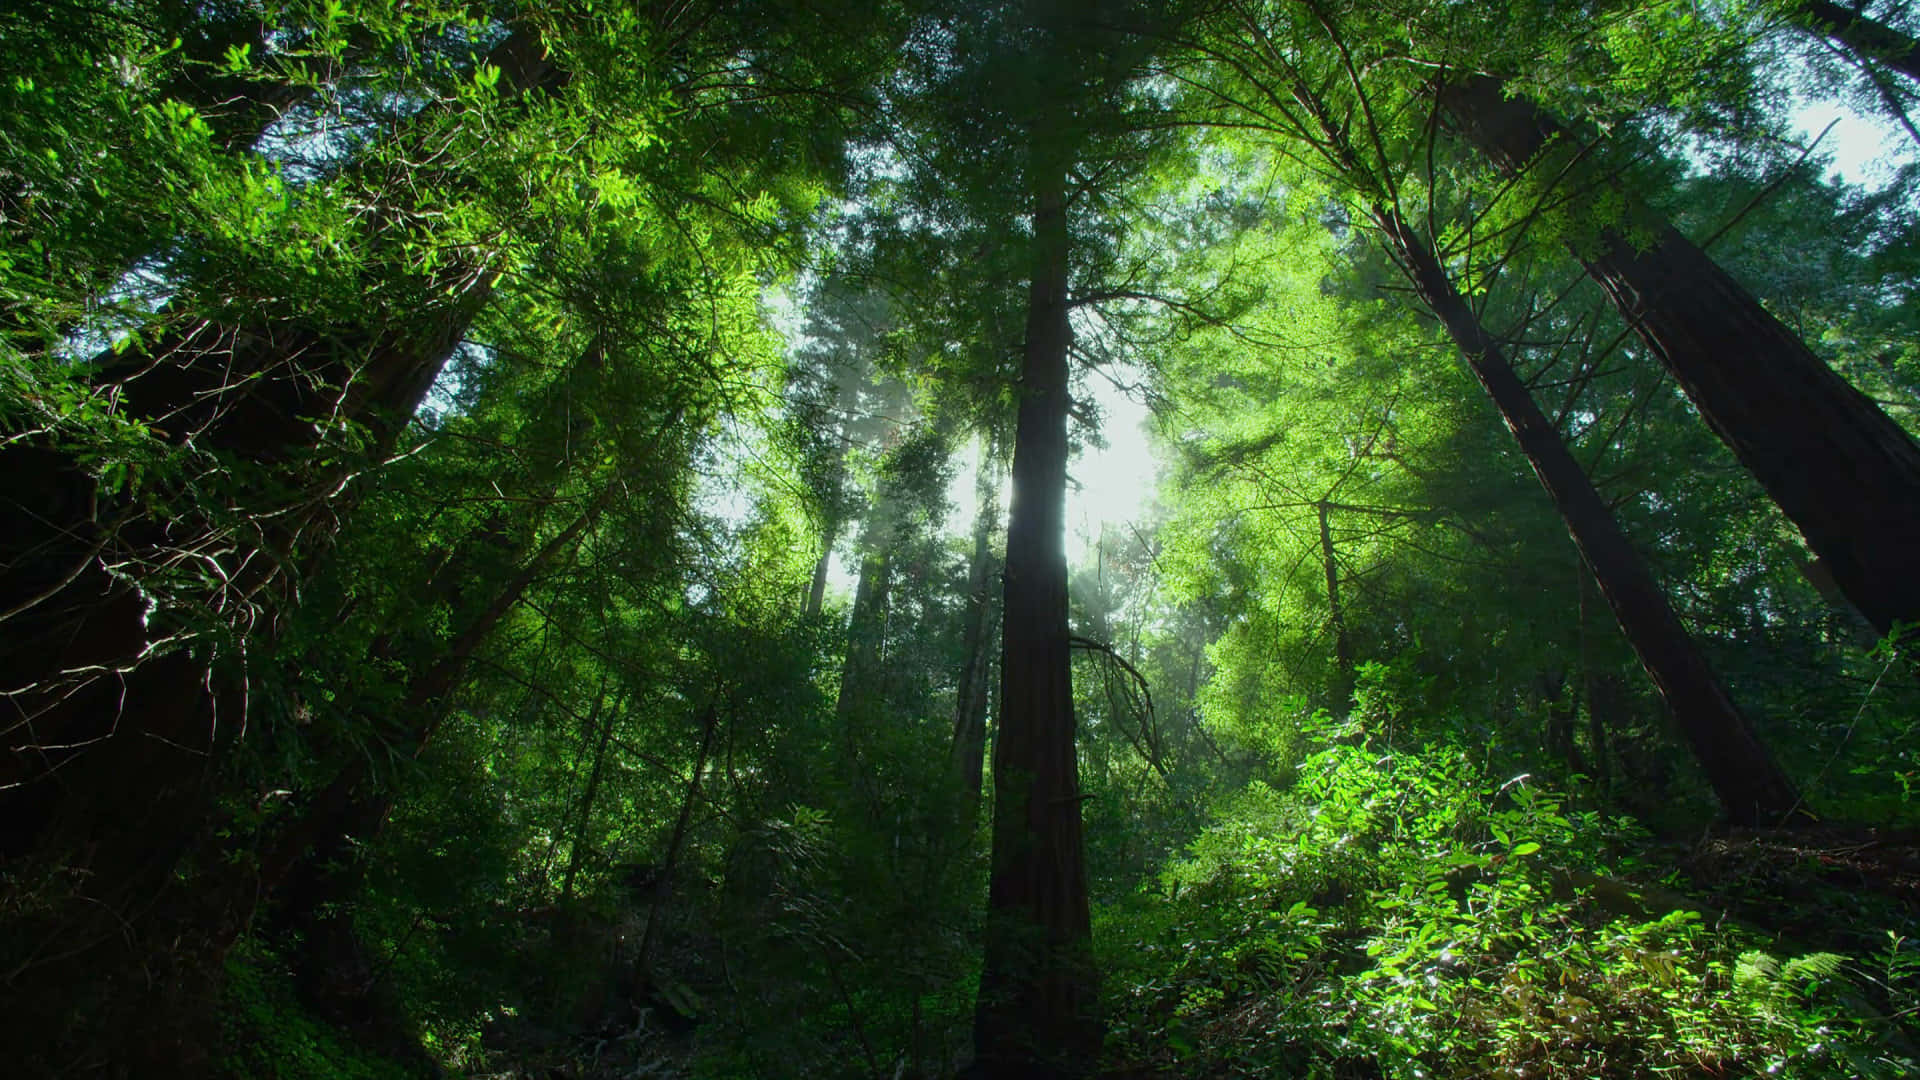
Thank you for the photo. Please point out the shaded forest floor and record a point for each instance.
(1390, 915)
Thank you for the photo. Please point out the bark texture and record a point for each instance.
(1037, 1009)
(1842, 470)
(1750, 786)
(1869, 38)
(973, 697)
(1342, 690)
(105, 588)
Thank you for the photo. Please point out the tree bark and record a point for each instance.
(1841, 470)
(862, 670)
(817, 588)
(86, 663)
(1868, 38)
(1342, 689)
(829, 527)
(577, 855)
(315, 858)
(1037, 1012)
(102, 592)
(1750, 787)
(237, 109)
(676, 843)
(977, 641)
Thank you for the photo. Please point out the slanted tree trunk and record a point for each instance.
(1037, 1009)
(1844, 622)
(1870, 39)
(1841, 470)
(96, 586)
(314, 862)
(977, 641)
(237, 108)
(577, 854)
(1750, 786)
(642, 973)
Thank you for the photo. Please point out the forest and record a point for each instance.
(604, 539)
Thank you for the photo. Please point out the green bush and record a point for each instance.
(1404, 914)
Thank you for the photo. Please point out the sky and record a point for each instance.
(1864, 150)
(1109, 486)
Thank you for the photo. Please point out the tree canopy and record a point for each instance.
(538, 538)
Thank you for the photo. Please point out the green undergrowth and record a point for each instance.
(1401, 914)
(267, 1033)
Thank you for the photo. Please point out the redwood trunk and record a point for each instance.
(316, 855)
(96, 691)
(1842, 470)
(577, 855)
(829, 526)
(970, 709)
(75, 663)
(676, 843)
(1342, 689)
(817, 588)
(863, 670)
(1869, 38)
(1750, 787)
(1037, 1008)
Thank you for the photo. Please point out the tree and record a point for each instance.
(1872, 40)
(172, 500)
(1843, 471)
(972, 704)
(1038, 992)
(1022, 98)
(1750, 786)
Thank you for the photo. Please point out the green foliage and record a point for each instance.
(563, 394)
(1404, 914)
(268, 1035)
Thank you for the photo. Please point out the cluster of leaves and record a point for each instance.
(1406, 914)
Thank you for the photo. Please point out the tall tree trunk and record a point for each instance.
(829, 527)
(1342, 689)
(577, 855)
(95, 585)
(862, 670)
(1750, 787)
(817, 588)
(313, 862)
(1869, 38)
(972, 700)
(1842, 470)
(1037, 1012)
(676, 843)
